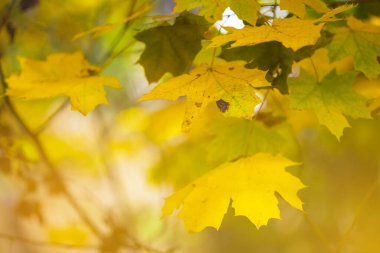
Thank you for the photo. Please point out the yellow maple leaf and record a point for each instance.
(212, 10)
(298, 6)
(291, 32)
(62, 74)
(330, 15)
(230, 85)
(250, 183)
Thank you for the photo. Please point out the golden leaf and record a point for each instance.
(250, 183)
(62, 74)
(291, 32)
(230, 84)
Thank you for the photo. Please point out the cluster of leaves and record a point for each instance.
(273, 49)
(243, 90)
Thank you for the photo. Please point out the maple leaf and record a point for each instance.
(233, 138)
(212, 10)
(331, 99)
(330, 15)
(62, 74)
(172, 48)
(320, 59)
(250, 183)
(359, 40)
(291, 32)
(230, 85)
(269, 56)
(245, 10)
(298, 6)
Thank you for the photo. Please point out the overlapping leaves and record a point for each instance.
(360, 41)
(330, 98)
(231, 86)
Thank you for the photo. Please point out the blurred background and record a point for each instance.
(123, 159)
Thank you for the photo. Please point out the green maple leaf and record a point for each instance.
(362, 42)
(332, 99)
(270, 56)
(172, 48)
(233, 138)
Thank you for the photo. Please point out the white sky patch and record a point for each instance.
(268, 11)
(230, 19)
(263, 105)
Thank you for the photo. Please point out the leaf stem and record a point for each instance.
(315, 70)
(253, 117)
(121, 33)
(50, 118)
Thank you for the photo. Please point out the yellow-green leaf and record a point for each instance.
(332, 99)
(62, 74)
(230, 84)
(359, 40)
(250, 183)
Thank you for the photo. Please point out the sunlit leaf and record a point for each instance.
(61, 74)
(250, 183)
(205, 84)
(213, 9)
(291, 32)
(298, 6)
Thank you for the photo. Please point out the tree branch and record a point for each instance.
(45, 159)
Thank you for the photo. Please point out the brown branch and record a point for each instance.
(128, 242)
(6, 13)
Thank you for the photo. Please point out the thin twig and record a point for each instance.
(6, 13)
(250, 130)
(121, 33)
(320, 235)
(50, 118)
(315, 69)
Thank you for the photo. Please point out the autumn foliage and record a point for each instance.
(187, 134)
